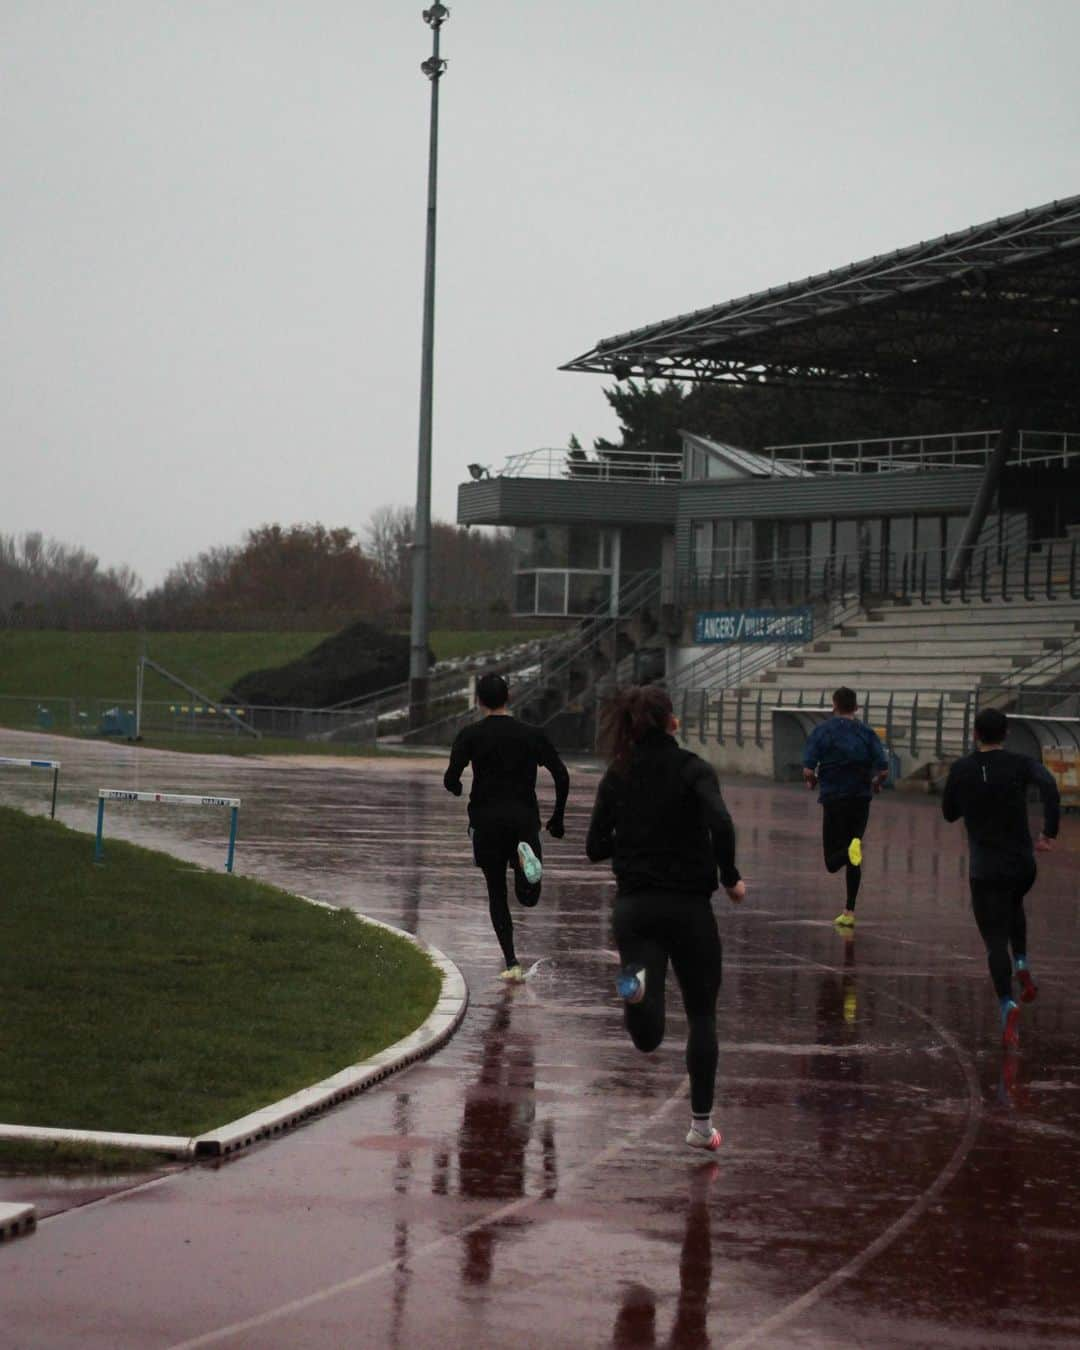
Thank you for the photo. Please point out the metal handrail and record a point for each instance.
(617, 465)
(943, 450)
(1046, 568)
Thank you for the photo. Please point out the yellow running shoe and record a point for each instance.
(854, 853)
(845, 920)
(513, 975)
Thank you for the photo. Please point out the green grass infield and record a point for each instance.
(149, 996)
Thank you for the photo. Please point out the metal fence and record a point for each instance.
(915, 721)
(1039, 570)
(116, 718)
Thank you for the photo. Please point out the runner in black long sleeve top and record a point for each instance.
(504, 817)
(660, 817)
(989, 790)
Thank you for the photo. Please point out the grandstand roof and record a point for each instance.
(991, 313)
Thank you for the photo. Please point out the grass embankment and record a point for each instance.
(45, 663)
(147, 996)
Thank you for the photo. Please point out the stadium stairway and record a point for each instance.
(919, 670)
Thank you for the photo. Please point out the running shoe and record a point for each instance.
(529, 863)
(1028, 987)
(513, 975)
(631, 984)
(1010, 1027)
(846, 919)
(698, 1140)
(854, 853)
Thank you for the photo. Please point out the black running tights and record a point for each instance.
(494, 850)
(842, 820)
(650, 930)
(998, 905)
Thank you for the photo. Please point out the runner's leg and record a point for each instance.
(528, 895)
(634, 923)
(857, 819)
(696, 956)
(490, 855)
(993, 907)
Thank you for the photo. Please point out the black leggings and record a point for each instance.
(842, 820)
(651, 929)
(494, 849)
(998, 905)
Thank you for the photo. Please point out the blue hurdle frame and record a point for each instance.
(53, 764)
(170, 798)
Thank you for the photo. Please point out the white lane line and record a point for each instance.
(386, 1267)
(915, 1210)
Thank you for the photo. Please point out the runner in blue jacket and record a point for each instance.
(845, 760)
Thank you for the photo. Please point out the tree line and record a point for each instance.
(303, 576)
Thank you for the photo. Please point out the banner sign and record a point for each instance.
(755, 625)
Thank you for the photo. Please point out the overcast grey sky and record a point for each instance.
(210, 285)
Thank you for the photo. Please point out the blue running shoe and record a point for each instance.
(630, 984)
(529, 863)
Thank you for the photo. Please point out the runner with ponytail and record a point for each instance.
(660, 818)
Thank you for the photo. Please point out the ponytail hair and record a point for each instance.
(628, 717)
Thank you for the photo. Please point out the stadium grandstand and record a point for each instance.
(935, 573)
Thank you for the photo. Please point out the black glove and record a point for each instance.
(455, 788)
(556, 827)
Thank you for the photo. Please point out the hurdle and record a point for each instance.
(53, 764)
(168, 799)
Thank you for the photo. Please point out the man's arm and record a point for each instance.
(1041, 778)
(707, 789)
(879, 760)
(951, 806)
(459, 757)
(600, 840)
(811, 756)
(549, 757)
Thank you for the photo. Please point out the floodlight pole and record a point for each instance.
(433, 68)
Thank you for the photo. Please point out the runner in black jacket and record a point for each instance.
(504, 818)
(989, 789)
(661, 819)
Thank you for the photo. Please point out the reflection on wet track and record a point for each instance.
(887, 1177)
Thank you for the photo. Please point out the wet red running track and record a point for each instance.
(887, 1177)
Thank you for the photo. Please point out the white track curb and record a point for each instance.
(270, 1121)
(15, 1220)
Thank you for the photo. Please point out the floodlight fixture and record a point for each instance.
(650, 369)
(436, 16)
(621, 369)
(478, 471)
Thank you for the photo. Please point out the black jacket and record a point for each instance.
(663, 822)
(989, 789)
(505, 754)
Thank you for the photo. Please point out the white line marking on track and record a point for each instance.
(386, 1267)
(914, 1211)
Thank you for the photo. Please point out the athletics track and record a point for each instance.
(887, 1177)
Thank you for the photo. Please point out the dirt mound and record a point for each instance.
(357, 661)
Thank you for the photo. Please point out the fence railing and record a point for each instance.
(916, 722)
(1037, 570)
(613, 466)
(949, 450)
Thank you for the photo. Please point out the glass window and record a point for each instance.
(525, 593)
(764, 540)
(901, 537)
(847, 537)
(542, 546)
(589, 591)
(821, 538)
(701, 544)
(793, 539)
(928, 533)
(551, 593)
(583, 547)
(742, 543)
